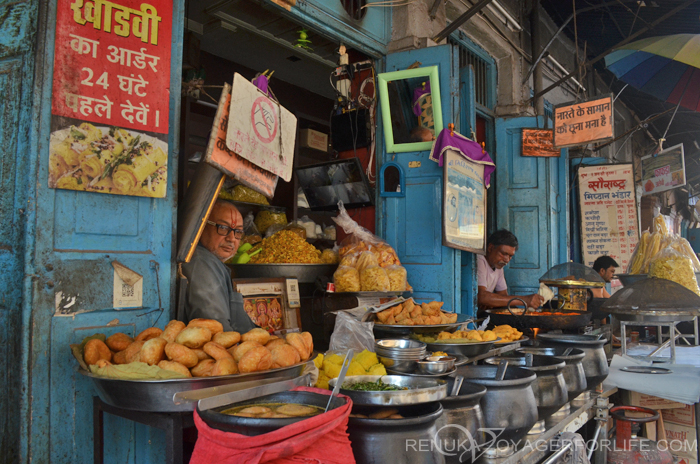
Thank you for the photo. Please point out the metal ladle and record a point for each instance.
(501, 371)
(341, 378)
(457, 385)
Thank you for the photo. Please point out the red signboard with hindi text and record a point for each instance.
(111, 94)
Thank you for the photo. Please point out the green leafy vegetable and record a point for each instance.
(372, 386)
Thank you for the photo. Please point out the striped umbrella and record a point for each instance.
(666, 67)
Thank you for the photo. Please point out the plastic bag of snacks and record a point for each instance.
(346, 279)
(671, 265)
(683, 247)
(328, 256)
(265, 219)
(349, 259)
(637, 258)
(252, 235)
(366, 259)
(397, 278)
(374, 279)
(360, 239)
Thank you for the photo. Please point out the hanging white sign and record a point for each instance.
(260, 129)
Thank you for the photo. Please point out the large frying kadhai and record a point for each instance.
(531, 319)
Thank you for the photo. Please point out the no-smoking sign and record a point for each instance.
(263, 117)
(260, 129)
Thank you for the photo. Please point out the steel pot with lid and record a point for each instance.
(509, 405)
(410, 440)
(595, 362)
(574, 376)
(550, 386)
(460, 428)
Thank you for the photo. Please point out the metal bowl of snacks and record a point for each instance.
(436, 364)
(391, 390)
(464, 348)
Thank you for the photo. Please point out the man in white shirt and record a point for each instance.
(493, 291)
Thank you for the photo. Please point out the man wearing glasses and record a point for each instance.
(210, 292)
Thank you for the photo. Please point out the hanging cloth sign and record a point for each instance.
(110, 98)
(260, 129)
(465, 147)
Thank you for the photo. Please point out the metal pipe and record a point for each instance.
(461, 20)
(434, 8)
(598, 428)
(553, 458)
(509, 18)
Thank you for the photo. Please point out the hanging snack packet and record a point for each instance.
(637, 259)
(671, 265)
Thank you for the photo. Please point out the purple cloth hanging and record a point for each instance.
(417, 93)
(467, 148)
(261, 83)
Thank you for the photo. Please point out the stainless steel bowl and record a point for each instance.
(436, 364)
(399, 365)
(464, 349)
(399, 344)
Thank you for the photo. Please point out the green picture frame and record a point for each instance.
(383, 79)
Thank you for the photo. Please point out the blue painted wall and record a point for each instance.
(71, 239)
(18, 26)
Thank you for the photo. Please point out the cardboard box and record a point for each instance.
(681, 416)
(681, 441)
(653, 402)
(313, 139)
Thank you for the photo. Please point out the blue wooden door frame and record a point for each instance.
(413, 224)
(61, 254)
(532, 202)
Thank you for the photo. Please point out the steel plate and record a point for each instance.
(646, 370)
(524, 338)
(421, 390)
(157, 395)
(465, 349)
(381, 330)
(427, 376)
(572, 283)
(651, 316)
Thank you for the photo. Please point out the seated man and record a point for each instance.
(605, 266)
(210, 292)
(493, 291)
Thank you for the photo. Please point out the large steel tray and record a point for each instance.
(304, 273)
(157, 395)
(421, 390)
(382, 330)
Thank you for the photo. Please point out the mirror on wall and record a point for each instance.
(411, 109)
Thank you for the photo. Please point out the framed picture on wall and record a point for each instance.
(464, 204)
